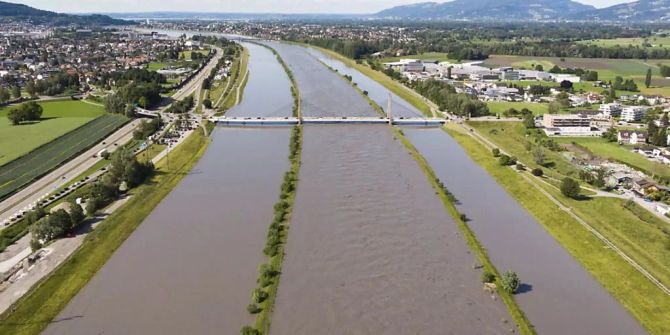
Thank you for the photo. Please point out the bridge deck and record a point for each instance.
(268, 121)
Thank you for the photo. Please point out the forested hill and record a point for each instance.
(531, 10)
(9, 11)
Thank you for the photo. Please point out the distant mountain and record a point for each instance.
(642, 10)
(9, 11)
(489, 9)
(531, 10)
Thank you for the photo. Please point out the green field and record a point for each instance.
(59, 118)
(654, 41)
(430, 56)
(23, 170)
(498, 107)
(612, 150)
(607, 69)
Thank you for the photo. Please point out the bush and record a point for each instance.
(520, 167)
(509, 281)
(537, 172)
(496, 152)
(504, 160)
(488, 277)
(259, 295)
(464, 217)
(253, 309)
(248, 330)
(570, 188)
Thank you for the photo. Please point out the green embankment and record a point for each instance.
(32, 314)
(23, 170)
(634, 291)
(239, 74)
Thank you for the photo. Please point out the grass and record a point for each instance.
(498, 107)
(397, 88)
(607, 69)
(517, 314)
(657, 42)
(511, 137)
(612, 150)
(637, 294)
(58, 118)
(23, 170)
(32, 313)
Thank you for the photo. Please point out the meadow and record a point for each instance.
(58, 119)
(45, 158)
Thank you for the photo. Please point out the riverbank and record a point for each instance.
(635, 292)
(33, 313)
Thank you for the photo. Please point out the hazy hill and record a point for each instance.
(22, 12)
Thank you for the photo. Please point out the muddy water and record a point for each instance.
(192, 264)
(323, 92)
(557, 294)
(371, 248)
(267, 92)
(376, 91)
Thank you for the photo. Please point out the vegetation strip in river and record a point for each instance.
(264, 295)
(447, 198)
(33, 313)
(295, 92)
(634, 291)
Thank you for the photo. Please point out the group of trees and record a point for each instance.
(125, 172)
(658, 134)
(29, 111)
(133, 94)
(625, 85)
(56, 224)
(145, 129)
(182, 106)
(352, 48)
(587, 75)
(445, 96)
(56, 84)
(6, 94)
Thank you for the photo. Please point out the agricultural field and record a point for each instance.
(45, 158)
(649, 42)
(59, 118)
(607, 69)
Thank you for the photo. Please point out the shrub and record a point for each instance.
(504, 160)
(496, 152)
(464, 217)
(253, 309)
(509, 281)
(537, 172)
(520, 167)
(488, 277)
(570, 188)
(259, 295)
(248, 330)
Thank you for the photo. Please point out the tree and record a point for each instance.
(143, 101)
(528, 119)
(661, 139)
(76, 214)
(538, 155)
(114, 104)
(537, 172)
(570, 188)
(4, 95)
(16, 91)
(647, 79)
(554, 107)
(566, 85)
(29, 111)
(539, 67)
(509, 282)
(496, 152)
(665, 122)
(30, 89)
(610, 135)
(208, 103)
(14, 116)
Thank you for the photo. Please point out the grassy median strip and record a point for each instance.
(33, 313)
(264, 295)
(239, 71)
(522, 322)
(634, 291)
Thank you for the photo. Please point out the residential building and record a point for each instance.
(610, 110)
(632, 137)
(566, 120)
(633, 113)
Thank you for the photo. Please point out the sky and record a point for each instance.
(244, 6)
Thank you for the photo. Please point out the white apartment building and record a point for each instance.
(632, 113)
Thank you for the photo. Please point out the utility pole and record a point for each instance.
(389, 113)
